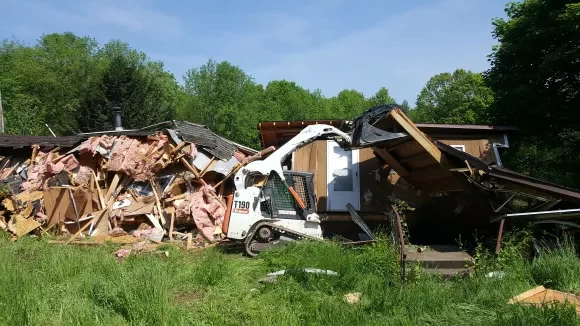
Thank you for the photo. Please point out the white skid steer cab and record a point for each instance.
(272, 206)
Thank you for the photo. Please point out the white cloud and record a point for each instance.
(94, 17)
(134, 16)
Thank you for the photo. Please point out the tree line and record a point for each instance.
(71, 83)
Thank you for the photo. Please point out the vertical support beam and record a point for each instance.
(499, 235)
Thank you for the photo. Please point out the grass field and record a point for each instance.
(43, 284)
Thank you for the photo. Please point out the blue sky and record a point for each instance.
(328, 44)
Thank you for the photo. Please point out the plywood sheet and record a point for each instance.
(480, 147)
(312, 158)
(407, 148)
(58, 205)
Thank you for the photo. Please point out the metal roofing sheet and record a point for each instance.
(509, 175)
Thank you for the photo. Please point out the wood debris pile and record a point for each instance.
(156, 187)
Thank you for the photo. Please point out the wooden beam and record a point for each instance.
(113, 185)
(99, 193)
(392, 161)
(157, 202)
(202, 173)
(414, 132)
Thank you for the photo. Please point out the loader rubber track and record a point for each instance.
(278, 230)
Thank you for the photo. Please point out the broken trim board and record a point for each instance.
(541, 296)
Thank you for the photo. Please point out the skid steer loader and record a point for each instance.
(270, 205)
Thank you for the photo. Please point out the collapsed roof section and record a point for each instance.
(396, 141)
(432, 167)
(509, 179)
(200, 135)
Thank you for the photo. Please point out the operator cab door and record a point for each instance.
(342, 177)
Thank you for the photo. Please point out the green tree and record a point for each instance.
(71, 84)
(535, 76)
(44, 83)
(288, 101)
(225, 99)
(127, 78)
(460, 97)
(348, 104)
(381, 97)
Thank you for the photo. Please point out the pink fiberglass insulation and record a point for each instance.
(120, 151)
(133, 157)
(68, 163)
(192, 150)
(44, 168)
(239, 156)
(90, 145)
(83, 176)
(205, 210)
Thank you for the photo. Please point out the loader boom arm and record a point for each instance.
(305, 137)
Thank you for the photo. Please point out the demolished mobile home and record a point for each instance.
(172, 180)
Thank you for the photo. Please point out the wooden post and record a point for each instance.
(499, 235)
(113, 185)
(172, 222)
(189, 239)
(34, 153)
(202, 173)
(99, 193)
(157, 203)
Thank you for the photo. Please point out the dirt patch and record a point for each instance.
(187, 297)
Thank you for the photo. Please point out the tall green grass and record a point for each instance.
(42, 284)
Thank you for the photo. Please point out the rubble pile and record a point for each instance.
(157, 187)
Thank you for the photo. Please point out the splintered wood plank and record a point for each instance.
(171, 211)
(99, 193)
(391, 161)
(113, 185)
(157, 201)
